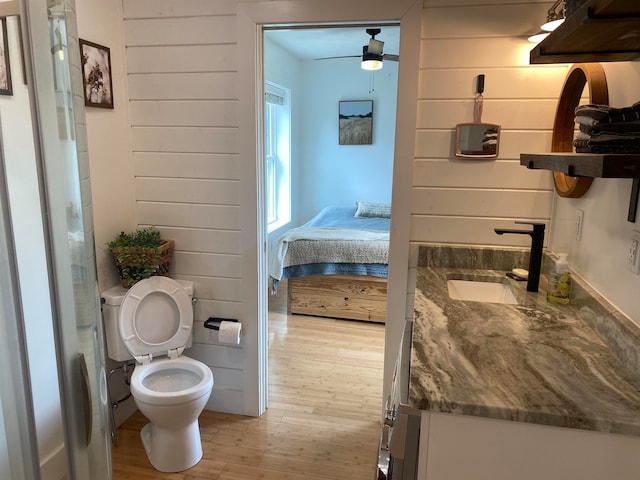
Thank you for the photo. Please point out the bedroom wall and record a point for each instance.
(332, 174)
(283, 68)
(323, 172)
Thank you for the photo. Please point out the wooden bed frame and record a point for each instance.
(350, 297)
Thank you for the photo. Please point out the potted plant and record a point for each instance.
(140, 255)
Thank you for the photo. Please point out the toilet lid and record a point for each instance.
(156, 317)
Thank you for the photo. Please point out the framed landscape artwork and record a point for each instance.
(355, 122)
(96, 75)
(5, 68)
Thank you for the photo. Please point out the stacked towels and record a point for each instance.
(604, 129)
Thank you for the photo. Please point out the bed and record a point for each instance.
(336, 264)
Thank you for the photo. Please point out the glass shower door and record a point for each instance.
(18, 449)
(52, 52)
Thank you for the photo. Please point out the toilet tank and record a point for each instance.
(113, 297)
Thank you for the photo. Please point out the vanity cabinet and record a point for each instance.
(467, 447)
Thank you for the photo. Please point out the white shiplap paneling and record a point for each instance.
(182, 86)
(469, 173)
(482, 202)
(440, 143)
(517, 114)
(182, 71)
(462, 201)
(468, 230)
(500, 83)
(203, 30)
(181, 59)
(185, 140)
(187, 113)
(167, 8)
(161, 214)
(192, 190)
(186, 165)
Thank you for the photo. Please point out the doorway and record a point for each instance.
(309, 71)
(251, 16)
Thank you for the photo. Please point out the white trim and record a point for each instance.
(9, 8)
(250, 17)
(54, 466)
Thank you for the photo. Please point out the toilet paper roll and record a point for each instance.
(230, 332)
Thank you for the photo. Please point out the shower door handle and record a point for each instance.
(85, 388)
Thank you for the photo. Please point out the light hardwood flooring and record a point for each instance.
(325, 388)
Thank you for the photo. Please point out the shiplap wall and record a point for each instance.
(181, 69)
(182, 74)
(462, 201)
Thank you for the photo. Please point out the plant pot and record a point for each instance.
(137, 263)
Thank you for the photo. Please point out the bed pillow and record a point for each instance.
(369, 209)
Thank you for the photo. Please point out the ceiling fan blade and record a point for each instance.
(389, 56)
(346, 56)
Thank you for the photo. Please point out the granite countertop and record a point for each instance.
(532, 362)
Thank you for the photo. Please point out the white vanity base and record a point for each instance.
(459, 447)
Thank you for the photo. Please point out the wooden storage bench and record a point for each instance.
(349, 297)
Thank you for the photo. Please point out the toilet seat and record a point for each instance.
(166, 390)
(156, 317)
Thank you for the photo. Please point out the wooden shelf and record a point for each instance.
(608, 165)
(598, 31)
(585, 164)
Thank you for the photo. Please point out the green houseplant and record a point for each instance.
(140, 254)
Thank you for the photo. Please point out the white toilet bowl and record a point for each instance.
(171, 393)
(155, 318)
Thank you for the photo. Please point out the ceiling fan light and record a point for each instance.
(370, 61)
(371, 65)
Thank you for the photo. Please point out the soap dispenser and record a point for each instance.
(559, 288)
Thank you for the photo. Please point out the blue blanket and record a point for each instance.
(342, 217)
(343, 231)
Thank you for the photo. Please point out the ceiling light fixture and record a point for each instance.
(538, 37)
(555, 16)
(370, 61)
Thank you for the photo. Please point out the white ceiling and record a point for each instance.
(312, 43)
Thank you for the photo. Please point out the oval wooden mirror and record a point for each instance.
(581, 74)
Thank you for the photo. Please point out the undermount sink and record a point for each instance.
(480, 291)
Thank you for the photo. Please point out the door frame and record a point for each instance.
(250, 19)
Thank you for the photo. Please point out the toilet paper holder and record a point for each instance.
(214, 323)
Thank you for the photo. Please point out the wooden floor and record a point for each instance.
(325, 388)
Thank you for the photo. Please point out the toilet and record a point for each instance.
(152, 322)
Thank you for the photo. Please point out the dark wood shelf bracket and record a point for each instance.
(633, 203)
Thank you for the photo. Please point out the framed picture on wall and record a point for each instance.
(5, 67)
(96, 74)
(355, 122)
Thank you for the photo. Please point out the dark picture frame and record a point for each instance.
(96, 74)
(355, 119)
(6, 87)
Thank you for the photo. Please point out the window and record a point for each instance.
(277, 149)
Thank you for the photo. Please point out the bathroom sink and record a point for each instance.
(480, 291)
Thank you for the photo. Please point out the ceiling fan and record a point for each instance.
(372, 54)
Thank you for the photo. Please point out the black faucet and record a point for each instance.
(535, 257)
